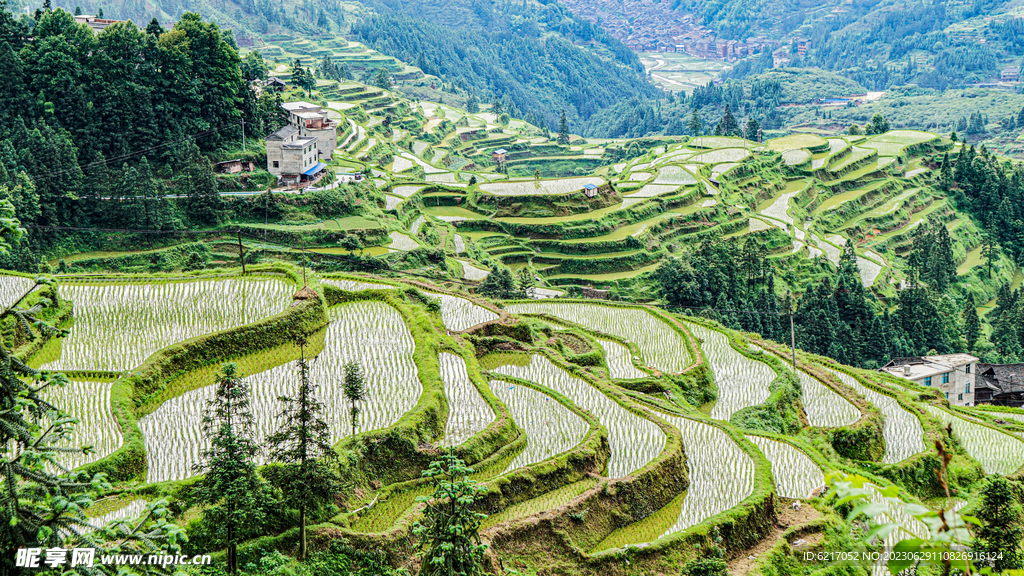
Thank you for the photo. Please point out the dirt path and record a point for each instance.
(788, 518)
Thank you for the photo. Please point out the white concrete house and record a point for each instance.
(952, 374)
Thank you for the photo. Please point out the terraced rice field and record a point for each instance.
(401, 242)
(634, 440)
(902, 431)
(741, 381)
(12, 288)
(778, 210)
(660, 345)
(675, 175)
(118, 325)
(550, 427)
(471, 272)
(405, 191)
(717, 142)
(997, 452)
(129, 511)
(458, 314)
(721, 476)
(620, 361)
(89, 402)
(355, 285)
(795, 157)
(543, 503)
(723, 155)
(468, 413)
(795, 142)
(825, 407)
(796, 475)
(371, 333)
(652, 190)
(534, 187)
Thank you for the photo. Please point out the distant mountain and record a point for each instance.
(539, 59)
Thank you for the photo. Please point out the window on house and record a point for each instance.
(928, 381)
(945, 378)
(275, 164)
(947, 395)
(967, 388)
(968, 368)
(960, 397)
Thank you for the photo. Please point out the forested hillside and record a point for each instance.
(525, 55)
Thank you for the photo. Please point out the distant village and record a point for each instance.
(647, 26)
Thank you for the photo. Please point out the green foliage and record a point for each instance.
(778, 413)
(705, 567)
(355, 389)
(449, 534)
(499, 284)
(234, 493)
(1001, 533)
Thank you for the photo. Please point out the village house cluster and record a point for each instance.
(647, 26)
(295, 153)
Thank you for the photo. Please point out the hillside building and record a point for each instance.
(590, 190)
(97, 24)
(952, 374)
(312, 122)
(1009, 75)
(1000, 384)
(294, 158)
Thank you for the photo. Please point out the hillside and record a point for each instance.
(599, 328)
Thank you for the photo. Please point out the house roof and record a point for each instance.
(284, 133)
(952, 359)
(501, 151)
(300, 142)
(589, 187)
(300, 105)
(1006, 375)
(319, 166)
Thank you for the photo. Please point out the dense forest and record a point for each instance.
(125, 115)
(508, 52)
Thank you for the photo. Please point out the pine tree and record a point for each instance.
(946, 173)
(753, 129)
(972, 324)
(696, 125)
(728, 126)
(472, 104)
(1002, 531)
(563, 129)
(303, 444)
(449, 538)
(355, 390)
(233, 491)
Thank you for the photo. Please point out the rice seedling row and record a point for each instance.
(903, 433)
(634, 440)
(117, 326)
(721, 155)
(468, 413)
(660, 345)
(406, 191)
(796, 475)
(129, 511)
(355, 285)
(795, 157)
(12, 288)
(675, 175)
(532, 187)
(652, 190)
(721, 476)
(620, 360)
(371, 333)
(824, 406)
(998, 453)
(779, 210)
(741, 381)
(458, 314)
(89, 402)
(717, 142)
(550, 427)
(543, 503)
(400, 242)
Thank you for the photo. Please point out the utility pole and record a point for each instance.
(241, 254)
(792, 337)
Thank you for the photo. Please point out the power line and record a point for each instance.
(134, 154)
